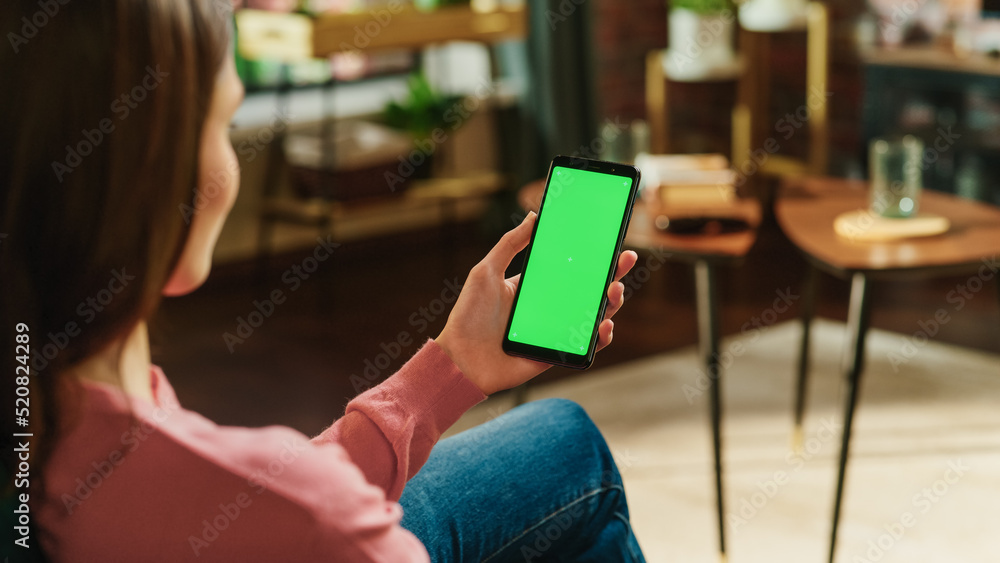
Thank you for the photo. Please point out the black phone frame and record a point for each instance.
(559, 357)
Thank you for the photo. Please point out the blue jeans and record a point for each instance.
(536, 484)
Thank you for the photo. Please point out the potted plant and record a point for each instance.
(425, 115)
(773, 15)
(356, 159)
(701, 39)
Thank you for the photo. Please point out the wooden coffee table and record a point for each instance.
(806, 209)
(707, 252)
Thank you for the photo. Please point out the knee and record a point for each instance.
(562, 417)
(558, 421)
(566, 423)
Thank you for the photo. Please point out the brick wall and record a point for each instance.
(628, 29)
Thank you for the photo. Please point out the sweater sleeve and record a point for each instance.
(239, 494)
(390, 429)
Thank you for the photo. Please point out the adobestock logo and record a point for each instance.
(47, 9)
(293, 278)
(104, 468)
(379, 20)
(753, 329)
(88, 309)
(122, 107)
(212, 527)
(420, 320)
(454, 117)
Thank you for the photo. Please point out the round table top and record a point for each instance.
(643, 234)
(807, 207)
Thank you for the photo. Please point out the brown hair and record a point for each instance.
(100, 120)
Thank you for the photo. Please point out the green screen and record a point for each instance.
(564, 279)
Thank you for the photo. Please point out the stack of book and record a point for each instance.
(687, 180)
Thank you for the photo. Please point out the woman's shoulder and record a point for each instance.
(117, 427)
(127, 457)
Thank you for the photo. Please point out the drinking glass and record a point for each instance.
(896, 176)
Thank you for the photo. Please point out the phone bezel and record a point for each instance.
(558, 357)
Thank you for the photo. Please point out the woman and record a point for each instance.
(116, 120)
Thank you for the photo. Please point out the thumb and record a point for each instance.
(512, 242)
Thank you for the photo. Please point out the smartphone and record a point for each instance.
(570, 262)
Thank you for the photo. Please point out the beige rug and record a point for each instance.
(923, 481)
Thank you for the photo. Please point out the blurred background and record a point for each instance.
(402, 132)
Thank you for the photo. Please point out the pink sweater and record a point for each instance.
(173, 486)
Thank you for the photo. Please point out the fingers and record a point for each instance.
(512, 242)
(626, 260)
(605, 333)
(616, 298)
(616, 292)
(513, 282)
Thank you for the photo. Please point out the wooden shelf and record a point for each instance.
(294, 37)
(933, 58)
(419, 206)
(412, 29)
(289, 37)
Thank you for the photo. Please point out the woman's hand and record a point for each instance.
(473, 335)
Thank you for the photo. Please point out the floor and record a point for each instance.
(922, 481)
